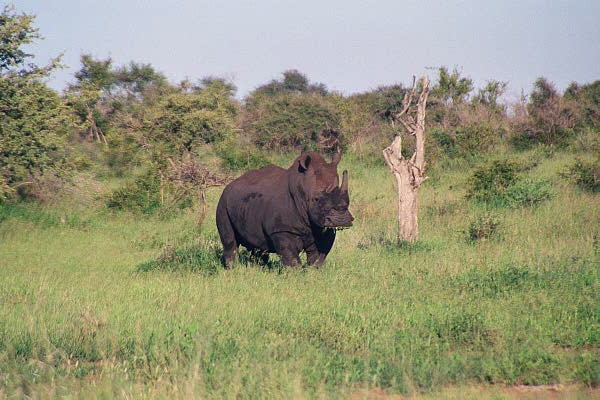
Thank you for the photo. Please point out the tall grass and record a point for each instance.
(116, 305)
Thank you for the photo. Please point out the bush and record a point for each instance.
(203, 259)
(34, 122)
(527, 193)
(237, 157)
(121, 153)
(34, 127)
(464, 328)
(551, 118)
(587, 369)
(483, 227)
(290, 121)
(585, 175)
(184, 120)
(587, 140)
(588, 98)
(143, 195)
(503, 281)
(498, 184)
(490, 180)
(468, 139)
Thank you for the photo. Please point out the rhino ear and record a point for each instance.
(304, 162)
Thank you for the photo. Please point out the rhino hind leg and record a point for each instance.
(227, 236)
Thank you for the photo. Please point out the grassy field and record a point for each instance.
(119, 305)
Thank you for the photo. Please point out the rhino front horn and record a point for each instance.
(344, 187)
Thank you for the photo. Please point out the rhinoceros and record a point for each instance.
(285, 211)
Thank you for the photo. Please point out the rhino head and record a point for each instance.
(327, 202)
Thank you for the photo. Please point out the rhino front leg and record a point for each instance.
(313, 257)
(288, 247)
(316, 253)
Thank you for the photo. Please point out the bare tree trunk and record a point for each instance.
(409, 173)
(94, 132)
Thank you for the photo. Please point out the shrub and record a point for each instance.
(535, 366)
(490, 180)
(527, 193)
(587, 369)
(588, 98)
(550, 119)
(483, 227)
(504, 281)
(121, 153)
(34, 122)
(235, 156)
(143, 195)
(467, 139)
(34, 127)
(464, 328)
(499, 184)
(181, 121)
(203, 259)
(587, 141)
(444, 141)
(585, 175)
(288, 121)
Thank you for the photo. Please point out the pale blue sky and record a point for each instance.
(350, 46)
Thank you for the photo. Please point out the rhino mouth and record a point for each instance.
(335, 228)
(338, 222)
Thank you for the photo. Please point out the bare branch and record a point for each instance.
(406, 101)
(420, 124)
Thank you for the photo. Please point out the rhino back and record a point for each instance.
(256, 201)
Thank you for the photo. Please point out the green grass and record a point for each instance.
(107, 304)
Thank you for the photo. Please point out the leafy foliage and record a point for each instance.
(586, 175)
(290, 120)
(498, 183)
(96, 72)
(466, 140)
(236, 156)
(483, 227)
(588, 369)
(182, 121)
(490, 94)
(143, 195)
(451, 87)
(15, 32)
(34, 121)
(105, 98)
(527, 192)
(551, 117)
(588, 98)
(490, 180)
(203, 259)
(293, 82)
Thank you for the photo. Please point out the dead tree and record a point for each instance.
(93, 130)
(189, 178)
(409, 173)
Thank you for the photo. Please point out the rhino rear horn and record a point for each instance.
(344, 187)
